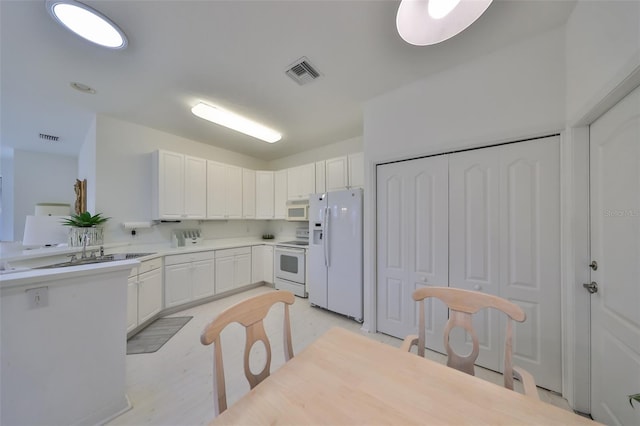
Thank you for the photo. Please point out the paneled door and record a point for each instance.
(615, 247)
(504, 236)
(412, 236)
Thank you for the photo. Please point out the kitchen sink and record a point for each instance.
(100, 259)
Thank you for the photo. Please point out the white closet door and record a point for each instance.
(504, 222)
(530, 253)
(412, 244)
(474, 259)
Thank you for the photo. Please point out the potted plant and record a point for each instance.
(85, 229)
(635, 397)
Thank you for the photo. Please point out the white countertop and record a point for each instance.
(16, 262)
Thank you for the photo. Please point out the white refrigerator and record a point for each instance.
(335, 252)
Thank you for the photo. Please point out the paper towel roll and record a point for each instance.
(136, 225)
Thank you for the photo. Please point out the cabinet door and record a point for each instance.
(203, 276)
(308, 180)
(293, 183)
(248, 194)
(225, 274)
(195, 187)
(280, 195)
(336, 173)
(356, 170)
(320, 177)
(216, 190)
(132, 303)
(177, 284)
(170, 181)
(149, 294)
(242, 270)
(264, 195)
(234, 192)
(257, 264)
(267, 272)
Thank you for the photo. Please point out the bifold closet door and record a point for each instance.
(412, 247)
(504, 236)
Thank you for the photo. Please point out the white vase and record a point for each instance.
(94, 236)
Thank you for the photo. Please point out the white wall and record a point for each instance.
(602, 49)
(40, 178)
(87, 166)
(512, 93)
(123, 180)
(6, 203)
(337, 149)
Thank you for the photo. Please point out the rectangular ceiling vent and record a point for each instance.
(49, 138)
(302, 72)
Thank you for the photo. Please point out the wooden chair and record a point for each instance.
(462, 304)
(250, 313)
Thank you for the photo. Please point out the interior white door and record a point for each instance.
(504, 233)
(615, 246)
(412, 234)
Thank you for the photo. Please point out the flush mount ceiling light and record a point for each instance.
(88, 23)
(425, 22)
(235, 122)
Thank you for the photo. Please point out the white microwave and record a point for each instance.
(297, 210)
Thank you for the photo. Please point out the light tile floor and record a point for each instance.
(173, 386)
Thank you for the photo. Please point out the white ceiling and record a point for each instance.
(233, 54)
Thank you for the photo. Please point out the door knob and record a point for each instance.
(477, 287)
(594, 265)
(591, 287)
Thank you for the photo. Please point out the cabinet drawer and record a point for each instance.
(149, 265)
(232, 252)
(188, 257)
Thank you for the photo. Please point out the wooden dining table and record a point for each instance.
(344, 378)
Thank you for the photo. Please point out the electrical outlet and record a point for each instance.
(38, 297)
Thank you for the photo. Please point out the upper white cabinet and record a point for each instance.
(224, 191)
(337, 175)
(301, 181)
(248, 194)
(320, 177)
(264, 194)
(344, 172)
(179, 186)
(280, 194)
(356, 170)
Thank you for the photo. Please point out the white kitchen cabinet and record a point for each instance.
(337, 177)
(233, 268)
(264, 194)
(178, 186)
(224, 191)
(149, 294)
(262, 264)
(248, 194)
(144, 293)
(188, 277)
(280, 194)
(301, 181)
(356, 170)
(320, 177)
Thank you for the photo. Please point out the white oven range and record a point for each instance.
(290, 265)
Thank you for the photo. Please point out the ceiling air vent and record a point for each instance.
(302, 72)
(49, 138)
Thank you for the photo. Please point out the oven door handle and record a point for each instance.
(295, 251)
(327, 210)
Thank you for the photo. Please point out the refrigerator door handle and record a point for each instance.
(326, 236)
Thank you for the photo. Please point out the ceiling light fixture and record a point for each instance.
(235, 122)
(88, 23)
(426, 22)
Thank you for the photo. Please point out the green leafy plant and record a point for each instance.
(85, 220)
(635, 397)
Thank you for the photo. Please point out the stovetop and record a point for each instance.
(296, 243)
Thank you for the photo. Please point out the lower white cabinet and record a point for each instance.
(144, 292)
(262, 263)
(188, 277)
(233, 268)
